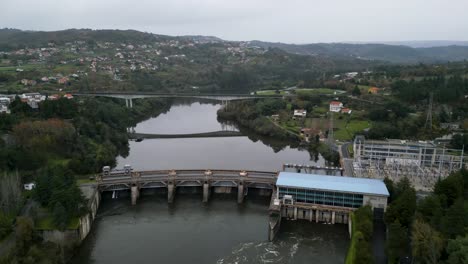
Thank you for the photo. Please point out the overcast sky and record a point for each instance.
(291, 21)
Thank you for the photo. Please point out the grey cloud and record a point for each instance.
(298, 21)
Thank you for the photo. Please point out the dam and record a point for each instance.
(319, 198)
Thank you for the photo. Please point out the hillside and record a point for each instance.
(383, 52)
(132, 60)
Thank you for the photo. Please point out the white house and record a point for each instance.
(335, 106)
(300, 113)
(4, 109)
(29, 186)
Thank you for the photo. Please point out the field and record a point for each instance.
(45, 221)
(344, 129)
(26, 67)
(303, 91)
(347, 132)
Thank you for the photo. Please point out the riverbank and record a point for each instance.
(249, 114)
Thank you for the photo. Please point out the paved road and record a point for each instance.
(344, 150)
(347, 160)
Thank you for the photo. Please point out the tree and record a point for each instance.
(390, 187)
(60, 216)
(397, 242)
(364, 221)
(450, 189)
(457, 250)
(426, 242)
(363, 250)
(356, 91)
(404, 205)
(430, 209)
(455, 220)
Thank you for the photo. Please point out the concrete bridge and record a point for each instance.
(223, 133)
(127, 179)
(129, 96)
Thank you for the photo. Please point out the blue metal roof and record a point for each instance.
(332, 183)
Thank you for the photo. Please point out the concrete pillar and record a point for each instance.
(170, 192)
(206, 192)
(131, 102)
(333, 217)
(317, 212)
(295, 213)
(240, 193)
(126, 102)
(135, 194)
(310, 215)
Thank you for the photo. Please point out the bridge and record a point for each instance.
(127, 179)
(222, 133)
(129, 96)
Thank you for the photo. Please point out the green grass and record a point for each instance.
(347, 131)
(270, 92)
(24, 67)
(350, 149)
(58, 161)
(313, 91)
(46, 223)
(84, 181)
(351, 255)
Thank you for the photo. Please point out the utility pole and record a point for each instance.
(428, 124)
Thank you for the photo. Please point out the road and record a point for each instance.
(347, 160)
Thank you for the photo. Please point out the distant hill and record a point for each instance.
(417, 43)
(384, 52)
(14, 38)
(11, 39)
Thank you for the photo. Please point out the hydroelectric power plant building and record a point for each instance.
(323, 198)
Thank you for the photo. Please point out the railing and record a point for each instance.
(127, 177)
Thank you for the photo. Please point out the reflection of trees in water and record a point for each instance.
(276, 144)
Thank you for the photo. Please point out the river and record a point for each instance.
(189, 231)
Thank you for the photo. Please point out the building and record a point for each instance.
(32, 99)
(4, 109)
(327, 198)
(63, 80)
(423, 162)
(403, 152)
(373, 90)
(450, 126)
(335, 106)
(346, 110)
(300, 113)
(29, 186)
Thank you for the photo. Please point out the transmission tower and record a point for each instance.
(429, 113)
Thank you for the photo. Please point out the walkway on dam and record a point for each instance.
(190, 135)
